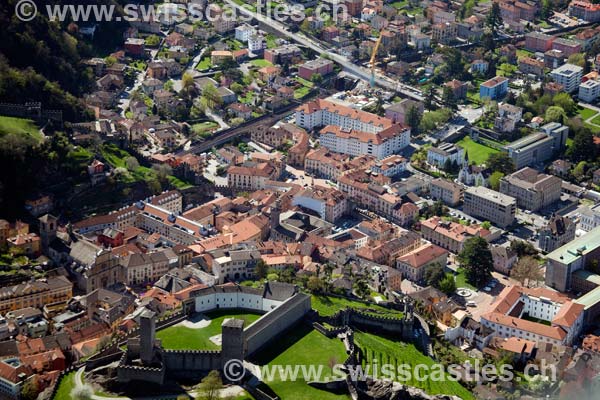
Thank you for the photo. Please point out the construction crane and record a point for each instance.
(372, 62)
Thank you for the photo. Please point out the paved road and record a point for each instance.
(361, 72)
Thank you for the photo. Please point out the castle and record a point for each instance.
(283, 305)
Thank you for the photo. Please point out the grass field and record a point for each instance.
(302, 346)
(116, 158)
(461, 280)
(326, 305)
(184, 338)
(477, 152)
(393, 352)
(19, 126)
(66, 386)
(596, 120)
(204, 64)
(261, 62)
(586, 113)
(204, 128)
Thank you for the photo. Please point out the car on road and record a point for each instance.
(487, 289)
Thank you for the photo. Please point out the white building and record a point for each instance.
(329, 203)
(243, 32)
(589, 91)
(256, 43)
(590, 218)
(322, 112)
(446, 152)
(356, 143)
(541, 315)
(569, 76)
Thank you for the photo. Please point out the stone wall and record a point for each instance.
(275, 322)
(190, 363)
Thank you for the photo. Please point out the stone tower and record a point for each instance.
(48, 227)
(232, 340)
(147, 332)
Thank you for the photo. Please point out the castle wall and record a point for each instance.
(248, 301)
(276, 321)
(190, 363)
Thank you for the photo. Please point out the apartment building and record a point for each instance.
(444, 32)
(141, 268)
(390, 166)
(557, 232)
(538, 147)
(414, 264)
(589, 91)
(495, 88)
(532, 189)
(319, 66)
(251, 176)
(445, 153)
(331, 204)
(363, 189)
(489, 205)
(452, 235)
(355, 142)
(540, 315)
(235, 263)
(566, 46)
(448, 192)
(585, 10)
(283, 54)
(35, 294)
(397, 111)
(538, 42)
(569, 76)
(508, 117)
(322, 112)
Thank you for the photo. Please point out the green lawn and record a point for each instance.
(271, 41)
(399, 4)
(301, 92)
(477, 152)
(461, 280)
(524, 53)
(302, 346)
(184, 338)
(116, 158)
(304, 82)
(586, 113)
(19, 126)
(204, 128)
(399, 353)
(247, 98)
(261, 62)
(596, 120)
(204, 64)
(66, 386)
(327, 305)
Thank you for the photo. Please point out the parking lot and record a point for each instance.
(481, 300)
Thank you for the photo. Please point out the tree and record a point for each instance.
(261, 269)
(447, 284)
(272, 276)
(31, 389)
(317, 79)
(577, 59)
(522, 248)
(555, 114)
(237, 87)
(413, 119)
(152, 41)
(162, 171)
(187, 81)
(579, 170)
(433, 274)
(361, 287)
(210, 386)
(494, 18)
(476, 259)
(315, 284)
(212, 96)
(527, 272)
(429, 100)
(583, 147)
(566, 102)
(500, 162)
(495, 179)
(448, 99)
(131, 163)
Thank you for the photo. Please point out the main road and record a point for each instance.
(361, 72)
